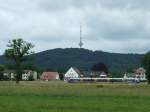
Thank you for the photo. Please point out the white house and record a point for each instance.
(72, 73)
(25, 75)
(29, 73)
(9, 73)
(140, 73)
(137, 74)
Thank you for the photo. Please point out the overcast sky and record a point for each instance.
(110, 25)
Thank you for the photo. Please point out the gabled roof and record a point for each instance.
(76, 70)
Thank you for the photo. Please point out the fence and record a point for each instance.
(88, 79)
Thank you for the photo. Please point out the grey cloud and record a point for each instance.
(119, 25)
(53, 23)
(66, 4)
(126, 4)
(110, 4)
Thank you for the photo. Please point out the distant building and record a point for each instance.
(47, 76)
(26, 75)
(72, 73)
(140, 72)
(9, 74)
(99, 74)
(137, 73)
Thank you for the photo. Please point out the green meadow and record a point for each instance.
(75, 97)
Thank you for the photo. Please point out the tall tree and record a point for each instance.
(100, 67)
(2, 67)
(1, 74)
(17, 51)
(146, 65)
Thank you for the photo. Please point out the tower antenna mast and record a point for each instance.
(80, 43)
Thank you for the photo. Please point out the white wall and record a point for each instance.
(71, 73)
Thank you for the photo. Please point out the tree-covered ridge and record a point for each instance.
(83, 59)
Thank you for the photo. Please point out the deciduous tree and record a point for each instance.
(100, 67)
(17, 51)
(146, 65)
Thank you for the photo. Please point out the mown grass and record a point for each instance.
(64, 97)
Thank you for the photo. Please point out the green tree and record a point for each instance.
(17, 51)
(2, 68)
(31, 78)
(1, 74)
(30, 66)
(146, 65)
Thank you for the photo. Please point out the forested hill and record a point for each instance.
(82, 58)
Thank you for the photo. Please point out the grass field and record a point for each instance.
(64, 97)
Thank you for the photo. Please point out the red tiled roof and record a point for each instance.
(49, 75)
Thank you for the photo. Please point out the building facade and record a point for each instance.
(47, 76)
(26, 74)
(72, 73)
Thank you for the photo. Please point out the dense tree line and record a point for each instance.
(83, 59)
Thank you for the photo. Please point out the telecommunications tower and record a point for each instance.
(80, 43)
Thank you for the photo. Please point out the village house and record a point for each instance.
(10, 74)
(47, 76)
(26, 75)
(72, 73)
(140, 72)
(137, 74)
